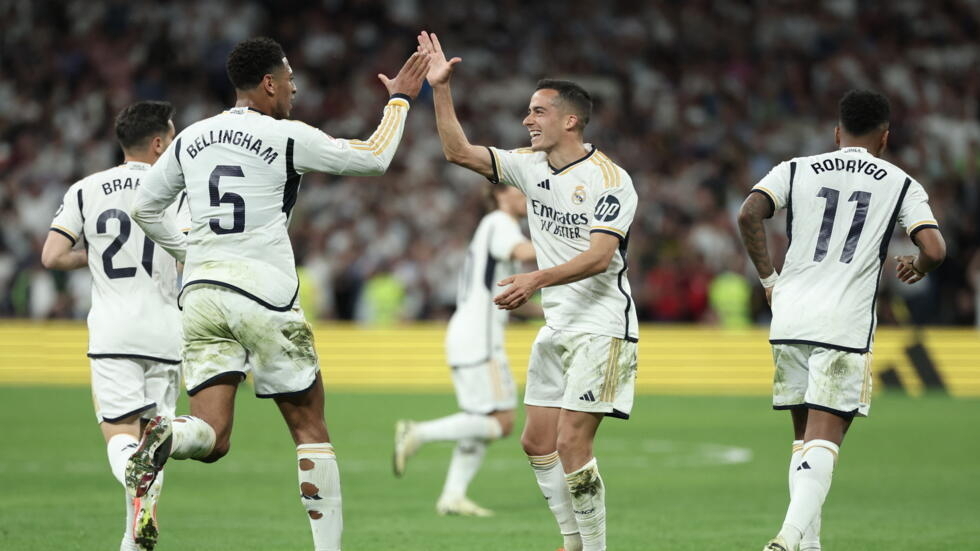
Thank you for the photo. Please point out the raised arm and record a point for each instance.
(755, 209)
(457, 149)
(318, 152)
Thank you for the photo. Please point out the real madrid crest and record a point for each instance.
(578, 196)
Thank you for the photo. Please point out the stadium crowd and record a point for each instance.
(697, 100)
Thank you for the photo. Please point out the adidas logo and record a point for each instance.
(546, 184)
(588, 397)
(804, 466)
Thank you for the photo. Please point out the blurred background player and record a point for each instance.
(583, 361)
(242, 171)
(134, 324)
(481, 373)
(842, 207)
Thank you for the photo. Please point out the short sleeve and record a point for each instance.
(614, 209)
(776, 185)
(508, 166)
(505, 236)
(915, 214)
(69, 220)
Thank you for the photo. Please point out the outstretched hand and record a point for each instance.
(440, 70)
(409, 79)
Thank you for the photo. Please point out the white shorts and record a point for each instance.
(226, 332)
(821, 378)
(485, 387)
(122, 387)
(581, 372)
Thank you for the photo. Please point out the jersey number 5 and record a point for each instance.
(863, 199)
(238, 203)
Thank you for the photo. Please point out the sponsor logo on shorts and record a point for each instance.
(588, 397)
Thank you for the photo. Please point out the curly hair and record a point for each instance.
(862, 111)
(139, 122)
(251, 60)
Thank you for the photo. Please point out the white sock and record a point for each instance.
(551, 479)
(119, 448)
(193, 438)
(811, 483)
(459, 426)
(811, 536)
(467, 458)
(589, 504)
(319, 483)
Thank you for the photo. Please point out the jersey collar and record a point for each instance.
(244, 110)
(557, 171)
(137, 165)
(854, 149)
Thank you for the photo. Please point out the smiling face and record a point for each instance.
(546, 121)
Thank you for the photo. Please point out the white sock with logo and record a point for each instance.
(459, 426)
(589, 504)
(551, 479)
(811, 483)
(811, 536)
(319, 484)
(119, 448)
(193, 438)
(466, 461)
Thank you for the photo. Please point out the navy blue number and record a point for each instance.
(863, 199)
(236, 200)
(125, 228)
(827, 227)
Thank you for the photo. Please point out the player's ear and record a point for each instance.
(269, 84)
(571, 121)
(884, 142)
(837, 135)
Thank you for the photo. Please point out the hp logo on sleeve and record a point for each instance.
(607, 209)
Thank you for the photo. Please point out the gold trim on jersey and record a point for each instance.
(618, 231)
(772, 196)
(401, 102)
(66, 230)
(524, 150)
(381, 139)
(610, 172)
(923, 223)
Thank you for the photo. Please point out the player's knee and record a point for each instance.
(220, 450)
(533, 446)
(571, 445)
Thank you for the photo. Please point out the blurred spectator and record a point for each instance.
(696, 100)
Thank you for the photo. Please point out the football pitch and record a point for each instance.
(686, 473)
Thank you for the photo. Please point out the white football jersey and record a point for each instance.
(565, 207)
(842, 209)
(241, 170)
(134, 282)
(476, 329)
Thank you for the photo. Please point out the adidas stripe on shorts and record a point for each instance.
(581, 372)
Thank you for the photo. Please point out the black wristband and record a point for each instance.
(402, 96)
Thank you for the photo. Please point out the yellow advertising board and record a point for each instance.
(674, 359)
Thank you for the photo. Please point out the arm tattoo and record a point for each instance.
(750, 225)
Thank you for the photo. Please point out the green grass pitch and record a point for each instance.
(686, 473)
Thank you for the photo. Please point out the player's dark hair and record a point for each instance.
(141, 121)
(573, 95)
(862, 111)
(251, 60)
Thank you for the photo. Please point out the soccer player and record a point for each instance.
(842, 208)
(134, 330)
(583, 361)
(241, 170)
(475, 350)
